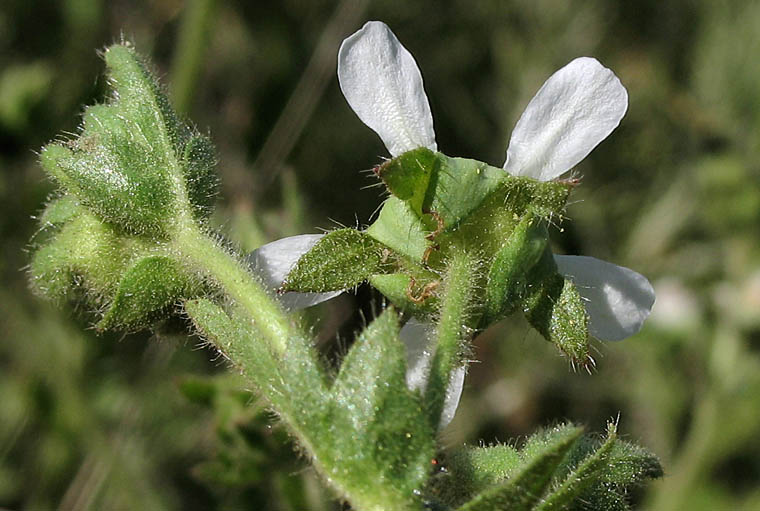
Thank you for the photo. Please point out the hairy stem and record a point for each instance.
(208, 257)
(452, 330)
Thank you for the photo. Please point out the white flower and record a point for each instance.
(577, 108)
(572, 113)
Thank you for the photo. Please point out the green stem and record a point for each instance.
(208, 257)
(291, 379)
(194, 33)
(453, 330)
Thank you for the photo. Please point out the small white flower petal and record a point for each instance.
(417, 337)
(382, 83)
(572, 113)
(618, 299)
(273, 261)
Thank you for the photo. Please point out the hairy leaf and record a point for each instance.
(379, 441)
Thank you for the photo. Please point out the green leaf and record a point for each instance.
(199, 159)
(599, 474)
(149, 286)
(521, 492)
(378, 443)
(135, 164)
(629, 464)
(339, 260)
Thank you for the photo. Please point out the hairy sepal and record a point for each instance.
(557, 468)
(135, 164)
(342, 259)
(148, 287)
(554, 307)
(134, 177)
(443, 192)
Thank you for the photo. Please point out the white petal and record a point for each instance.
(618, 299)
(383, 85)
(572, 112)
(417, 337)
(273, 261)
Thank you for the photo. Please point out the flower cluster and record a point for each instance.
(575, 109)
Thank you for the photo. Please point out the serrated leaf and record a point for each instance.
(148, 286)
(524, 489)
(340, 260)
(380, 443)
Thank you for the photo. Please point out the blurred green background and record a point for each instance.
(154, 421)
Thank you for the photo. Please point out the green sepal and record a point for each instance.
(380, 444)
(396, 288)
(471, 470)
(84, 252)
(510, 272)
(524, 489)
(149, 286)
(135, 165)
(60, 210)
(584, 475)
(398, 227)
(555, 308)
(341, 259)
(408, 177)
(461, 186)
(202, 181)
(452, 189)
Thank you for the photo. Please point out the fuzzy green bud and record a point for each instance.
(135, 164)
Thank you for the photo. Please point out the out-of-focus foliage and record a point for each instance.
(91, 422)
